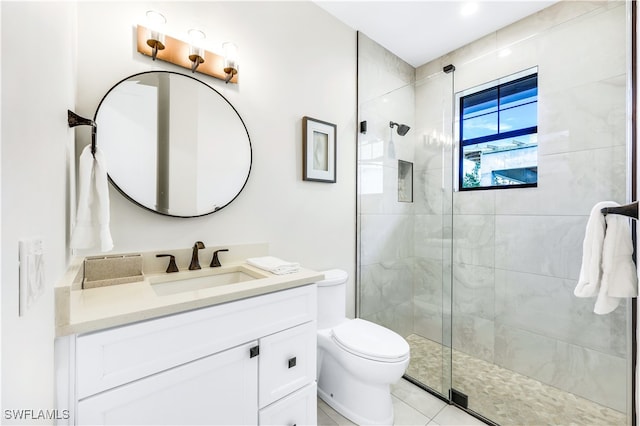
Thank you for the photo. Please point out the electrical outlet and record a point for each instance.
(31, 258)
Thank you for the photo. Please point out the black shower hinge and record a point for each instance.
(459, 398)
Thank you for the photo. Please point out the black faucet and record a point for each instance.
(172, 262)
(195, 263)
(215, 262)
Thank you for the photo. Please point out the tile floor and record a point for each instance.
(412, 406)
(506, 397)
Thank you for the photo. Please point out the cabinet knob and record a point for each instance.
(254, 351)
(292, 362)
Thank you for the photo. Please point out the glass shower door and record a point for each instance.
(525, 350)
(430, 340)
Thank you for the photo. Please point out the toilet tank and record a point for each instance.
(332, 298)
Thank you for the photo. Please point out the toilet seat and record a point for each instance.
(371, 341)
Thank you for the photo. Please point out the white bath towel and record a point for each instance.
(274, 265)
(92, 219)
(607, 272)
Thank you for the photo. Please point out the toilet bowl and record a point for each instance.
(357, 359)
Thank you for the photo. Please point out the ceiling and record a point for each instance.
(422, 30)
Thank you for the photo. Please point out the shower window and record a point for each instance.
(498, 133)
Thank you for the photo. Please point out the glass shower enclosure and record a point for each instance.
(480, 282)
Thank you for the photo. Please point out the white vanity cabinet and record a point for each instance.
(251, 361)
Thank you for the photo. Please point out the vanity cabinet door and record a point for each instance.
(287, 362)
(220, 389)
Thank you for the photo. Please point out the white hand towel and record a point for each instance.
(92, 219)
(607, 270)
(619, 273)
(590, 270)
(274, 265)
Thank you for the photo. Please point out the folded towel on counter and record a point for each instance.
(92, 219)
(607, 272)
(274, 265)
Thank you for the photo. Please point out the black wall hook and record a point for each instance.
(630, 210)
(75, 120)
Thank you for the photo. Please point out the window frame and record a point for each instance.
(531, 130)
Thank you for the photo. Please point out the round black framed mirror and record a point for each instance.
(173, 144)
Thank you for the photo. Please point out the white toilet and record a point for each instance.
(357, 359)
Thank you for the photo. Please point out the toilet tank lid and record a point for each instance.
(333, 277)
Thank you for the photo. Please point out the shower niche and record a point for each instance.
(405, 181)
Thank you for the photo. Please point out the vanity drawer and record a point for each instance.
(116, 356)
(287, 362)
(300, 408)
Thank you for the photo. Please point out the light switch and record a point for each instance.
(31, 258)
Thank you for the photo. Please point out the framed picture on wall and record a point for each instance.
(318, 150)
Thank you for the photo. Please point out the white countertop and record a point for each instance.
(80, 311)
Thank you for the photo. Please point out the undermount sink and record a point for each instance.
(202, 279)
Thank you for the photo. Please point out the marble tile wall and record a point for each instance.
(386, 226)
(516, 253)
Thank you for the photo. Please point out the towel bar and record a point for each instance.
(630, 210)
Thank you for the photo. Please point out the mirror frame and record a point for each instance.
(94, 140)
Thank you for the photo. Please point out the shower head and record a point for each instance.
(402, 128)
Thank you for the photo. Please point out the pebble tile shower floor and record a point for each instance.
(506, 397)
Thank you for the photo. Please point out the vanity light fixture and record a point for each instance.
(190, 55)
(230, 60)
(155, 38)
(196, 52)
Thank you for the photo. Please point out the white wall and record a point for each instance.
(37, 89)
(1, 405)
(296, 60)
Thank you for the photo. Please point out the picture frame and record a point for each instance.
(318, 150)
